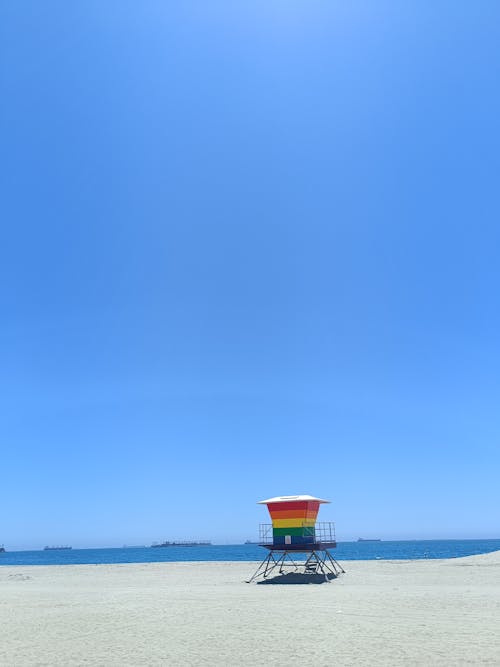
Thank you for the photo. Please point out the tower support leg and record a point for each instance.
(267, 565)
(320, 562)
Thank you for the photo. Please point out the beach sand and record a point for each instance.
(426, 612)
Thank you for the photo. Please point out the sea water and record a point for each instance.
(249, 552)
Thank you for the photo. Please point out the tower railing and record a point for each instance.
(265, 533)
(323, 531)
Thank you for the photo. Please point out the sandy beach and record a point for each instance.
(426, 612)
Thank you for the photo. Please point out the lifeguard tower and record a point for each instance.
(293, 531)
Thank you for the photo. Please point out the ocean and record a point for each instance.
(345, 551)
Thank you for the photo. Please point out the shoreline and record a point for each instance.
(381, 612)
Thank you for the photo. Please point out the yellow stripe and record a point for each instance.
(292, 523)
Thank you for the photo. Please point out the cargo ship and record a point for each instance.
(369, 539)
(61, 548)
(155, 545)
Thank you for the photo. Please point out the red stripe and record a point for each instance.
(308, 505)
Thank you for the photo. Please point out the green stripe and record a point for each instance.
(288, 531)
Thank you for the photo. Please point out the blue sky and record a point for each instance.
(248, 249)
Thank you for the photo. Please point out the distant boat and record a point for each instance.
(2, 549)
(369, 539)
(181, 544)
(251, 542)
(57, 548)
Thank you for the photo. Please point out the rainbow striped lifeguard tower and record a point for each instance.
(294, 530)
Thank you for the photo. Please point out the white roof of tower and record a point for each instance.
(290, 499)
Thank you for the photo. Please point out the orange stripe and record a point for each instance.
(289, 514)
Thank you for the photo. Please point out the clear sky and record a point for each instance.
(248, 249)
